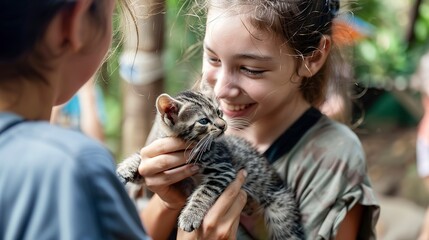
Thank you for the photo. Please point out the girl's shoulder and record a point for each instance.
(329, 139)
(328, 143)
(69, 141)
(49, 144)
(49, 155)
(331, 130)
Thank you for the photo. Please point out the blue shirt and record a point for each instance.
(59, 184)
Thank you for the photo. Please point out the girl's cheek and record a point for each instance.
(209, 76)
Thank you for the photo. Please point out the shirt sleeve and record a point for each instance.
(334, 182)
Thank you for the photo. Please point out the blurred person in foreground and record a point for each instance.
(420, 80)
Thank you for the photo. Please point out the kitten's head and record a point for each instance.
(190, 116)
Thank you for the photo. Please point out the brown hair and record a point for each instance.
(22, 53)
(300, 23)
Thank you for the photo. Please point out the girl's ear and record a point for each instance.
(313, 63)
(66, 30)
(169, 108)
(76, 22)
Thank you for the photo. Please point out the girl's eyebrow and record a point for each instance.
(250, 56)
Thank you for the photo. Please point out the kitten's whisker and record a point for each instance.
(200, 155)
(210, 141)
(192, 156)
(189, 144)
(199, 149)
(239, 124)
(207, 143)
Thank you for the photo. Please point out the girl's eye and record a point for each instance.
(204, 121)
(252, 72)
(213, 60)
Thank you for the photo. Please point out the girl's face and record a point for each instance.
(97, 39)
(252, 73)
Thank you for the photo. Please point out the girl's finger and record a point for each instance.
(235, 210)
(160, 163)
(171, 176)
(236, 222)
(163, 146)
(227, 225)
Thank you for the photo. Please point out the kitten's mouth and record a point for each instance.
(219, 133)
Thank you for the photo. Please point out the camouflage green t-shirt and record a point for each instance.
(326, 168)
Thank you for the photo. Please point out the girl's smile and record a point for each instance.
(236, 110)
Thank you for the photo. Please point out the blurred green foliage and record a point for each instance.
(182, 50)
(181, 62)
(386, 59)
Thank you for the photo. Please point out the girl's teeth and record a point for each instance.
(236, 107)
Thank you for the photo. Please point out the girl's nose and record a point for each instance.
(226, 85)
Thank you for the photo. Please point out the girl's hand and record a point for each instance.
(162, 166)
(222, 220)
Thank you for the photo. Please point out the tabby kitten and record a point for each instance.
(196, 119)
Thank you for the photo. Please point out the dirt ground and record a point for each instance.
(391, 160)
(402, 195)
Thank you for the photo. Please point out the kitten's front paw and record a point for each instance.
(128, 170)
(189, 221)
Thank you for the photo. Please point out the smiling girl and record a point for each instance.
(269, 63)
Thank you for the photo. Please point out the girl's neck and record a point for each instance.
(32, 99)
(264, 132)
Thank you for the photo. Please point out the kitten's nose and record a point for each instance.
(220, 123)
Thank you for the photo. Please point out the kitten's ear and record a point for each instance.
(168, 107)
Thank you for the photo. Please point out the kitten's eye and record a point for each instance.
(219, 113)
(204, 121)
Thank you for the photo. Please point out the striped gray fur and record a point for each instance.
(197, 119)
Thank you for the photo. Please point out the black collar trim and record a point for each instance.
(292, 135)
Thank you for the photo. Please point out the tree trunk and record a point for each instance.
(142, 71)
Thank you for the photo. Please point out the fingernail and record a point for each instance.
(244, 173)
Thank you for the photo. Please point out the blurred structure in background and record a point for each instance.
(84, 112)
(141, 68)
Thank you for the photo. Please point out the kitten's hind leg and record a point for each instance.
(128, 170)
(204, 197)
(283, 218)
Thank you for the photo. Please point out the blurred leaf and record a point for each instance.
(379, 60)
